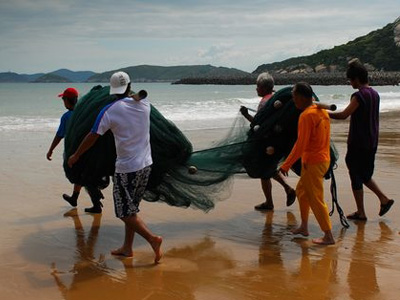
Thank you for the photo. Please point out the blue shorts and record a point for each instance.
(128, 191)
(361, 164)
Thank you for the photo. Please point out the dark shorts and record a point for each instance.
(128, 191)
(361, 163)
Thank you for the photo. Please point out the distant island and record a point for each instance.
(379, 51)
(142, 73)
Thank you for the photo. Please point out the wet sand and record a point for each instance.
(50, 251)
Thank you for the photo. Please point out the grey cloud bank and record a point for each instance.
(44, 35)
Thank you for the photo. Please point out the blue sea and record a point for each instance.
(35, 106)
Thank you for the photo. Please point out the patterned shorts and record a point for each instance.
(128, 191)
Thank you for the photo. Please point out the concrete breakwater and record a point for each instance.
(334, 78)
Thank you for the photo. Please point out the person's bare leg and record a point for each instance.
(302, 229)
(126, 249)
(304, 209)
(77, 188)
(279, 178)
(135, 224)
(371, 184)
(327, 239)
(73, 199)
(290, 192)
(266, 186)
(154, 240)
(359, 198)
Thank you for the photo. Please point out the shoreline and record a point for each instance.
(326, 79)
(376, 78)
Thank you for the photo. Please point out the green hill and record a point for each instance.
(377, 49)
(144, 73)
(52, 78)
(11, 77)
(75, 76)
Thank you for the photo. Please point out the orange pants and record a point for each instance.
(310, 193)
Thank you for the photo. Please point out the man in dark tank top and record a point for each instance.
(362, 142)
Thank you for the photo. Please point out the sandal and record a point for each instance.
(385, 207)
(290, 198)
(356, 216)
(264, 206)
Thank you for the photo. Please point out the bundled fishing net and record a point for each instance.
(181, 177)
(96, 165)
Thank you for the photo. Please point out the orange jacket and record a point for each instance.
(313, 136)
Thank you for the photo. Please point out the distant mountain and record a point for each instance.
(31, 77)
(378, 50)
(142, 73)
(14, 77)
(79, 76)
(65, 74)
(47, 78)
(145, 73)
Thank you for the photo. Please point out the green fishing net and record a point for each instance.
(180, 176)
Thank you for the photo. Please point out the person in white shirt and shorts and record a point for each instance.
(129, 121)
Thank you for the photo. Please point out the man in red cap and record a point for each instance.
(70, 97)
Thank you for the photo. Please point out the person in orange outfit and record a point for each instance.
(312, 146)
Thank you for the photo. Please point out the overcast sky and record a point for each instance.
(101, 35)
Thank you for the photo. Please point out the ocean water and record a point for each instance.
(36, 107)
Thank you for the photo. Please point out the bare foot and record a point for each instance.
(122, 252)
(156, 245)
(300, 230)
(323, 241)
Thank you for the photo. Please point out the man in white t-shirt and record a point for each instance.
(129, 121)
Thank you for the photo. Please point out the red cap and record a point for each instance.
(69, 93)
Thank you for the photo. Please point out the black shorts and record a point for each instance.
(361, 164)
(128, 191)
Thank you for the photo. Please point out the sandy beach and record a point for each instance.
(50, 251)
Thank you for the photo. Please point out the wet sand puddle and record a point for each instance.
(249, 256)
(232, 252)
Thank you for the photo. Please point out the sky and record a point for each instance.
(40, 36)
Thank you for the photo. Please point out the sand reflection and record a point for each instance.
(269, 263)
(362, 278)
(179, 276)
(91, 277)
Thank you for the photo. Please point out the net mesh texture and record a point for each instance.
(180, 176)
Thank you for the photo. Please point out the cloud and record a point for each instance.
(44, 35)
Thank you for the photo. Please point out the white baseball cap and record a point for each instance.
(119, 82)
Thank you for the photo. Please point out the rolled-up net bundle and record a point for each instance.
(96, 165)
(181, 177)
